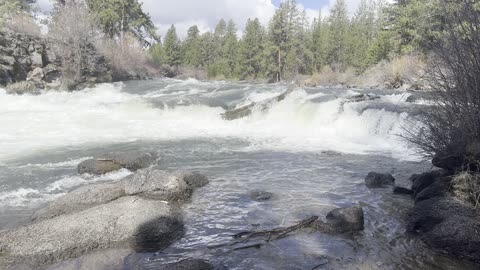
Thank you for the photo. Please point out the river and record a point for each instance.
(312, 151)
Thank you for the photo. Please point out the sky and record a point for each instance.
(206, 13)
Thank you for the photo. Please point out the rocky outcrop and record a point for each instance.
(29, 63)
(441, 221)
(378, 180)
(342, 220)
(137, 212)
(116, 161)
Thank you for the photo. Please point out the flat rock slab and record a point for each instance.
(132, 161)
(141, 224)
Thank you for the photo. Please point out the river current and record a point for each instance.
(312, 151)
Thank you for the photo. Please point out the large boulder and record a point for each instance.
(148, 183)
(141, 224)
(450, 163)
(342, 220)
(378, 180)
(35, 75)
(447, 225)
(115, 161)
(81, 199)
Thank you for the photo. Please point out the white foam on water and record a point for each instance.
(63, 164)
(30, 196)
(105, 115)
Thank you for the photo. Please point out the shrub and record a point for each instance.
(452, 126)
(129, 57)
(72, 34)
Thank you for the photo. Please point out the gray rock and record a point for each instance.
(81, 199)
(260, 195)
(157, 184)
(342, 220)
(24, 87)
(378, 180)
(422, 181)
(7, 60)
(115, 161)
(361, 98)
(187, 264)
(35, 75)
(100, 260)
(194, 179)
(37, 60)
(97, 167)
(144, 225)
(450, 163)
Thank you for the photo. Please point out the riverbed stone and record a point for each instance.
(378, 180)
(139, 223)
(115, 161)
(342, 220)
(259, 196)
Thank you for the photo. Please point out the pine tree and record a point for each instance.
(251, 48)
(171, 48)
(118, 17)
(191, 48)
(338, 55)
(230, 50)
(320, 37)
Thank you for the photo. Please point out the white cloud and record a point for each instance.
(206, 13)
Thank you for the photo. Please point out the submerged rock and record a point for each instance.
(260, 195)
(115, 161)
(361, 98)
(378, 180)
(187, 264)
(342, 220)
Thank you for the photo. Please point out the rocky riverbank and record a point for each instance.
(438, 218)
(29, 64)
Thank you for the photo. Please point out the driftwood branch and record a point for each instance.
(270, 235)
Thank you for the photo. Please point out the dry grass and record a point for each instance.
(466, 187)
(327, 76)
(22, 23)
(402, 72)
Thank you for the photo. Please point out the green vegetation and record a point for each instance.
(291, 46)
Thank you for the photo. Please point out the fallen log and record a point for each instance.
(248, 109)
